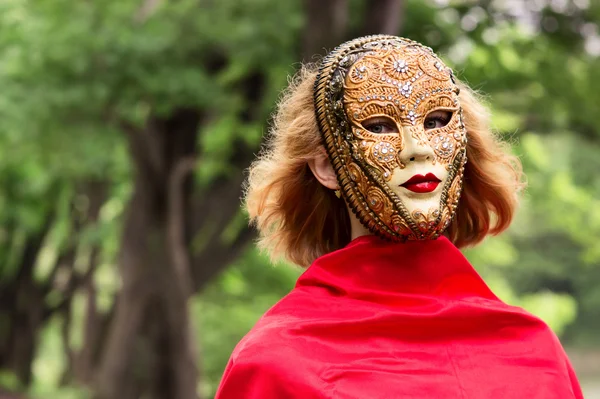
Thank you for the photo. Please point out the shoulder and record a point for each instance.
(270, 338)
(271, 361)
(276, 334)
(253, 377)
(283, 336)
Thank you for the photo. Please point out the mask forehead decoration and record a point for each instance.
(404, 82)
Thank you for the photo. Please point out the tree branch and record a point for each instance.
(84, 360)
(177, 242)
(210, 262)
(146, 150)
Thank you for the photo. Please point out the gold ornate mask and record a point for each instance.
(390, 117)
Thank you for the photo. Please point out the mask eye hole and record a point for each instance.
(437, 119)
(380, 125)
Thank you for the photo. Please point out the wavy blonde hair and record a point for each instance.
(299, 219)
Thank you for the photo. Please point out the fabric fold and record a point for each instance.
(388, 320)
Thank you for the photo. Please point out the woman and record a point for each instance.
(380, 164)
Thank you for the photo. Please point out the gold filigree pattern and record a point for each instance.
(379, 151)
(426, 221)
(396, 78)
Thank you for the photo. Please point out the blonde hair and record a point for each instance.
(299, 219)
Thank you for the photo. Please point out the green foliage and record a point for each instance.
(74, 75)
(231, 306)
(9, 381)
(51, 358)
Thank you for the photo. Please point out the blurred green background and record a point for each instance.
(125, 128)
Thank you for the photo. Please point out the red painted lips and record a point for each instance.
(422, 184)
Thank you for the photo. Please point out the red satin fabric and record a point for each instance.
(383, 320)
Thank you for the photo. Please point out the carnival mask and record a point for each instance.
(389, 113)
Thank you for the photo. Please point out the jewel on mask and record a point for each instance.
(405, 89)
(443, 146)
(358, 73)
(412, 116)
(400, 66)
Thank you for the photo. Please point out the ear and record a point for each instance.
(323, 171)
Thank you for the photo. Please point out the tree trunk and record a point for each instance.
(149, 349)
(22, 309)
(326, 27)
(383, 17)
(83, 362)
(327, 23)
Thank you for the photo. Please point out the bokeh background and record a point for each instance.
(126, 263)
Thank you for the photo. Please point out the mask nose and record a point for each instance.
(416, 146)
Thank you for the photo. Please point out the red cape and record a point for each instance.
(383, 320)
